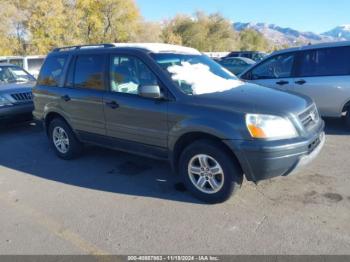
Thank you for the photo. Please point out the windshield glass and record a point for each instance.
(196, 74)
(14, 74)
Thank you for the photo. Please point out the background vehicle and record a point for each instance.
(237, 64)
(321, 72)
(32, 64)
(15, 92)
(254, 55)
(173, 103)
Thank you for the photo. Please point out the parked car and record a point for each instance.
(15, 92)
(32, 64)
(320, 71)
(173, 103)
(254, 55)
(237, 65)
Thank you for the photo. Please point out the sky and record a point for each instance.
(304, 15)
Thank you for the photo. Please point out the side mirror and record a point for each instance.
(149, 91)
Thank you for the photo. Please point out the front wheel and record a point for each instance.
(209, 172)
(347, 118)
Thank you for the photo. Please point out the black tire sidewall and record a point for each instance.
(347, 118)
(231, 171)
(74, 145)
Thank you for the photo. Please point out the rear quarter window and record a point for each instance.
(52, 70)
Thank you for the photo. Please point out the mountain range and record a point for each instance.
(288, 36)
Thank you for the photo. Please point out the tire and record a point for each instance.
(60, 130)
(347, 119)
(210, 154)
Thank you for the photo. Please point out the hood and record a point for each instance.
(16, 87)
(251, 98)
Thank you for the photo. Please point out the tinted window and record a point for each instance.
(279, 66)
(52, 70)
(324, 62)
(128, 73)
(89, 72)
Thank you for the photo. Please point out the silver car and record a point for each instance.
(15, 92)
(320, 71)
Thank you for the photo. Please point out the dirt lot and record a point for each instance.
(110, 202)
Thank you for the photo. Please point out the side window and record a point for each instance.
(128, 73)
(89, 72)
(279, 66)
(52, 70)
(324, 62)
(17, 62)
(35, 63)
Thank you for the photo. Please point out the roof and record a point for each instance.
(21, 57)
(245, 59)
(160, 48)
(151, 47)
(315, 46)
(6, 64)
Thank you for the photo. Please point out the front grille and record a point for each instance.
(22, 97)
(309, 117)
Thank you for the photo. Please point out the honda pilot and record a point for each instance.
(174, 103)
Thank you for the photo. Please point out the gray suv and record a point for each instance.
(173, 103)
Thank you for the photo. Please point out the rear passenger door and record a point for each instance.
(130, 117)
(82, 98)
(324, 75)
(276, 72)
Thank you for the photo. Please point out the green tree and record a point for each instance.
(253, 41)
(107, 20)
(204, 32)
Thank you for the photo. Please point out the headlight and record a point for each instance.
(270, 127)
(4, 102)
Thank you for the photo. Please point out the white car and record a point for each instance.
(31, 64)
(320, 71)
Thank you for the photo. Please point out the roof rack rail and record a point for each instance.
(76, 47)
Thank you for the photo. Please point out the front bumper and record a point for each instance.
(15, 110)
(262, 160)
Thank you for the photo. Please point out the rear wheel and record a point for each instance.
(209, 172)
(63, 140)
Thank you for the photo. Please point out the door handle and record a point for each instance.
(66, 98)
(300, 82)
(112, 104)
(282, 83)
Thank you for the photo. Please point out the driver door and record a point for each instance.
(276, 72)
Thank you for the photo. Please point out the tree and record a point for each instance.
(46, 25)
(148, 32)
(107, 20)
(253, 41)
(204, 32)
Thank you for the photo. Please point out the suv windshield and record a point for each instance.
(196, 74)
(14, 74)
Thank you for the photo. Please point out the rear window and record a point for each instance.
(324, 62)
(52, 70)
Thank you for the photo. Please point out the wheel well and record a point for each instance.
(189, 138)
(346, 107)
(51, 116)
